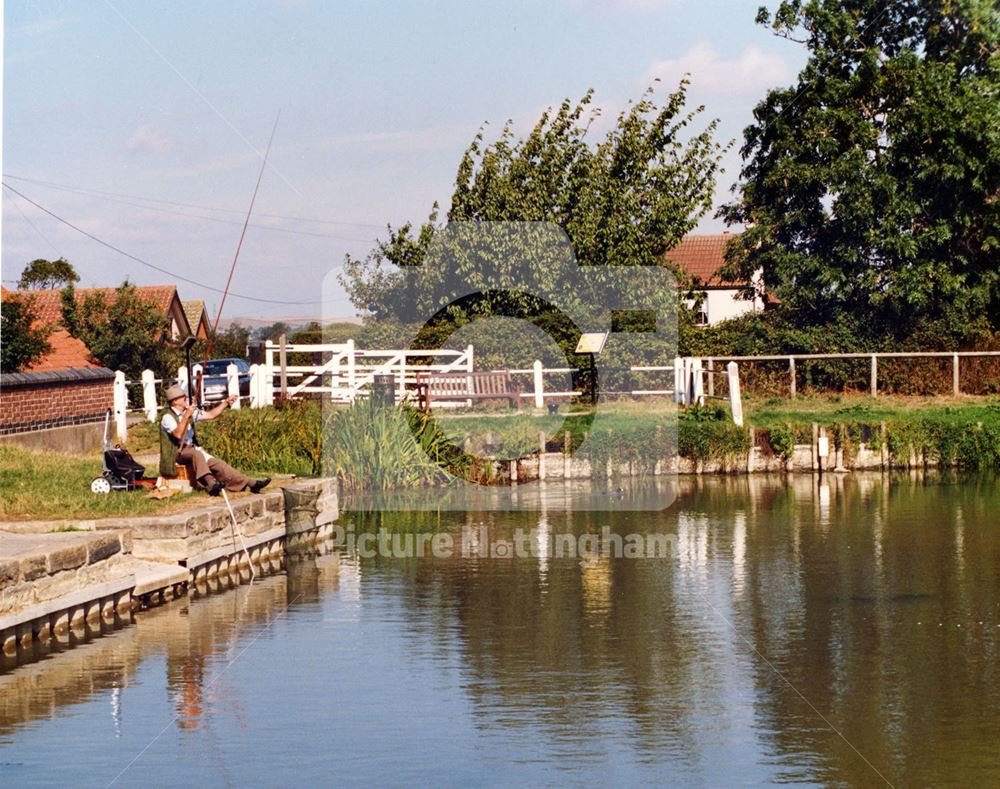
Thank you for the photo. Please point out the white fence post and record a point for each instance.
(121, 407)
(679, 386)
(735, 401)
(255, 384)
(267, 381)
(149, 394)
(266, 371)
(469, 353)
(233, 383)
(352, 370)
(539, 385)
(182, 378)
(697, 382)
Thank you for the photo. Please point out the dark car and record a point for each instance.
(215, 387)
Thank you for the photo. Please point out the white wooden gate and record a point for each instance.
(343, 373)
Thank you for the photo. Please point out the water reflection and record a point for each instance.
(816, 631)
(854, 592)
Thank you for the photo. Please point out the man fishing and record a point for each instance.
(179, 444)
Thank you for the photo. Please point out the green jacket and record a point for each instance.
(169, 446)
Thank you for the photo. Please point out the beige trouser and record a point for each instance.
(202, 463)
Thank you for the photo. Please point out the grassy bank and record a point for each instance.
(381, 453)
(372, 450)
(964, 432)
(44, 485)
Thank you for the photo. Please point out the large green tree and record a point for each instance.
(871, 187)
(42, 274)
(124, 333)
(20, 342)
(273, 332)
(230, 343)
(621, 200)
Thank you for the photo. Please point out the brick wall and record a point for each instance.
(35, 405)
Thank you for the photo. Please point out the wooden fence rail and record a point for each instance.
(793, 359)
(343, 373)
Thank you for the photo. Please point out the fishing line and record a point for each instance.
(236, 257)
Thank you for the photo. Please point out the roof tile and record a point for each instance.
(48, 303)
(68, 352)
(701, 257)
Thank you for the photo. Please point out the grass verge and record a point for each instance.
(49, 486)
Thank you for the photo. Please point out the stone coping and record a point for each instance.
(28, 557)
(69, 375)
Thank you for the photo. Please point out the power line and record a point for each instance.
(102, 193)
(139, 260)
(24, 216)
(199, 94)
(218, 219)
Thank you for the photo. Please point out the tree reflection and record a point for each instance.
(864, 595)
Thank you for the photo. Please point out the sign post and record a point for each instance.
(592, 343)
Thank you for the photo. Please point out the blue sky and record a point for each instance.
(144, 123)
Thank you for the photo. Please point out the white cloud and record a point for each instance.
(750, 73)
(147, 139)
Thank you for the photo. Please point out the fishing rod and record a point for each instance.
(215, 328)
(236, 257)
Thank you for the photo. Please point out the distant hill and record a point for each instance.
(296, 322)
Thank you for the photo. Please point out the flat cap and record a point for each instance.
(175, 391)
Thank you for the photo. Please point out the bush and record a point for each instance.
(286, 440)
(781, 438)
(708, 434)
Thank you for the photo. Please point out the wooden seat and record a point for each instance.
(456, 387)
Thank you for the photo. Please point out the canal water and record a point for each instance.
(843, 632)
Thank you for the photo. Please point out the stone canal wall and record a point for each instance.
(820, 456)
(40, 570)
(53, 582)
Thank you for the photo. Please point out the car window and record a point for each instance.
(216, 368)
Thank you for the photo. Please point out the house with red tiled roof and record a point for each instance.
(48, 304)
(65, 352)
(58, 401)
(197, 318)
(700, 258)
